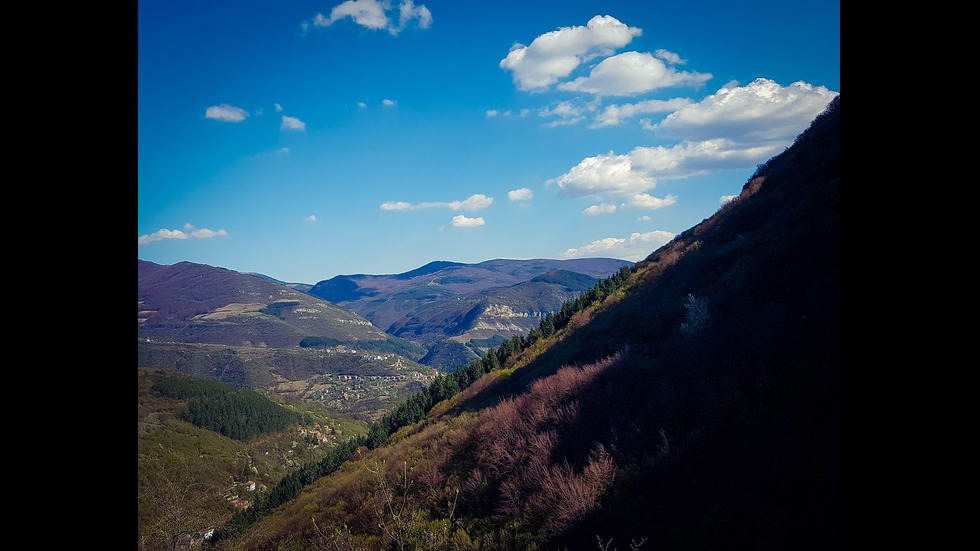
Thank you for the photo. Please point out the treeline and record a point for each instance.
(418, 406)
(448, 385)
(391, 345)
(278, 309)
(240, 414)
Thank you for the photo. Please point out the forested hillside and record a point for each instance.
(689, 403)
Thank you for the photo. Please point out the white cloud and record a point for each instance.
(567, 112)
(368, 13)
(473, 202)
(205, 233)
(492, 112)
(669, 57)
(388, 102)
(632, 73)
(361, 104)
(410, 12)
(646, 201)
(725, 199)
(604, 208)
(283, 150)
(311, 218)
(460, 221)
(612, 115)
(278, 108)
(604, 174)
(556, 54)
(634, 248)
(225, 113)
(292, 123)
(399, 205)
(760, 111)
(738, 127)
(374, 14)
(643, 218)
(191, 233)
(522, 194)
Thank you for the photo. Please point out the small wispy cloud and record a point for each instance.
(604, 208)
(278, 108)
(292, 123)
(311, 218)
(225, 113)
(522, 194)
(669, 57)
(460, 221)
(612, 115)
(492, 113)
(375, 15)
(634, 248)
(361, 104)
(473, 202)
(189, 232)
(389, 102)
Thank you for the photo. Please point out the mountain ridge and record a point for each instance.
(462, 303)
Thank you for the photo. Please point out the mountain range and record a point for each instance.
(459, 310)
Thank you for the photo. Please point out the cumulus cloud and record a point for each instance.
(375, 15)
(759, 111)
(604, 208)
(612, 115)
(225, 113)
(361, 104)
(632, 73)
(554, 55)
(460, 221)
(189, 232)
(388, 102)
(604, 174)
(725, 199)
(292, 123)
(737, 127)
(634, 248)
(522, 194)
(473, 202)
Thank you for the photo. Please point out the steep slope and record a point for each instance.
(694, 407)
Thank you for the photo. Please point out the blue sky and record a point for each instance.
(303, 140)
